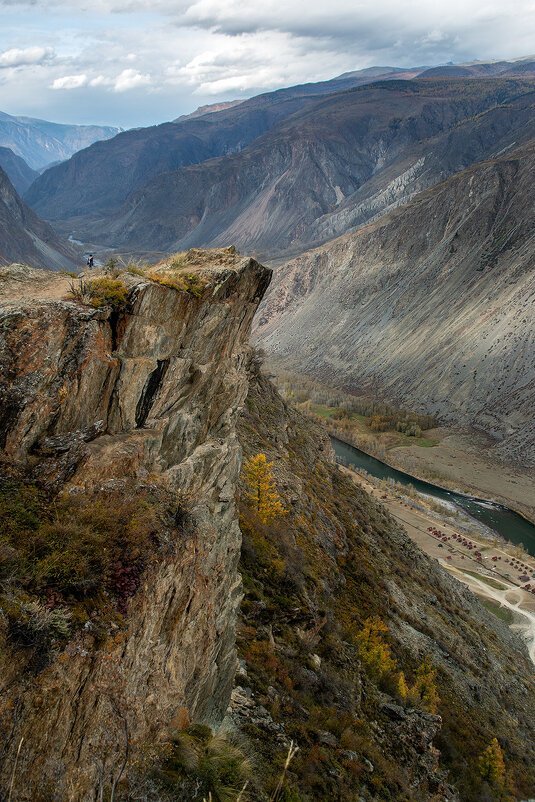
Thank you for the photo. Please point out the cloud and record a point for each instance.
(18, 57)
(153, 60)
(244, 64)
(70, 82)
(130, 79)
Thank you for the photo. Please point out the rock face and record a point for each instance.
(152, 391)
(24, 237)
(431, 306)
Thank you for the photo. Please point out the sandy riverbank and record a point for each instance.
(465, 461)
(495, 580)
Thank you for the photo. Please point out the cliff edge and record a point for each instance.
(119, 397)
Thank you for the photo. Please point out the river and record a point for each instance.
(505, 522)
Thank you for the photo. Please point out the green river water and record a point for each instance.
(505, 522)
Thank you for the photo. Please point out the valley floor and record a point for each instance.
(463, 461)
(500, 593)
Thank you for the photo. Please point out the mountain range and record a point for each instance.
(180, 550)
(40, 143)
(323, 171)
(395, 206)
(289, 169)
(114, 169)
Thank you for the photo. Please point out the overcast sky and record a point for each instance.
(137, 62)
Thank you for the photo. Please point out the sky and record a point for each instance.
(138, 62)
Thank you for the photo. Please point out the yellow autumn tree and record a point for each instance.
(374, 653)
(261, 489)
(401, 686)
(491, 764)
(424, 691)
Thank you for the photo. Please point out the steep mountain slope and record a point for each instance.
(312, 578)
(26, 238)
(40, 142)
(433, 305)
(16, 169)
(98, 180)
(327, 169)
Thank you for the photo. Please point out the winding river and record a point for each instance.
(505, 522)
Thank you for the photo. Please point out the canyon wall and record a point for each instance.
(429, 307)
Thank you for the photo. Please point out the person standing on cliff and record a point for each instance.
(90, 260)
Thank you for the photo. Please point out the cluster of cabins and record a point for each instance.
(526, 572)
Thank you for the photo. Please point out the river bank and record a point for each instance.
(500, 521)
(465, 459)
(458, 462)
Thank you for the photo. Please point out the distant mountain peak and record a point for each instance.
(40, 142)
(209, 109)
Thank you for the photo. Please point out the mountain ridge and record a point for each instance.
(40, 142)
(61, 193)
(430, 305)
(326, 169)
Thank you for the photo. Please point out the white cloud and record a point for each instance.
(70, 82)
(130, 79)
(100, 80)
(127, 79)
(18, 57)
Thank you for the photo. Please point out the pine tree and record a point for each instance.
(424, 692)
(491, 764)
(261, 488)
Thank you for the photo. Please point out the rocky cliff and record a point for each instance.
(431, 306)
(119, 583)
(123, 406)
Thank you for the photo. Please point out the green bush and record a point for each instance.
(100, 292)
(107, 292)
(184, 282)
